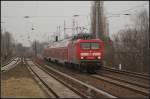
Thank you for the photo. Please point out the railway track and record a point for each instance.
(79, 86)
(128, 73)
(134, 81)
(123, 79)
(11, 64)
(9, 61)
(113, 86)
(55, 87)
(127, 78)
(122, 83)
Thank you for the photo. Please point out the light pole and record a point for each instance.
(35, 43)
(3, 26)
(75, 26)
(26, 17)
(114, 15)
(65, 35)
(3, 45)
(32, 28)
(112, 47)
(118, 15)
(65, 28)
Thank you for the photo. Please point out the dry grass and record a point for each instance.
(18, 83)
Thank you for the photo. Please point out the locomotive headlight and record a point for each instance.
(82, 57)
(99, 57)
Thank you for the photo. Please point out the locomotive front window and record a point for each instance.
(94, 45)
(89, 45)
(85, 45)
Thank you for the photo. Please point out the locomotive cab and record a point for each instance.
(86, 53)
(90, 54)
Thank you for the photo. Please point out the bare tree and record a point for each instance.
(7, 46)
(38, 47)
(132, 44)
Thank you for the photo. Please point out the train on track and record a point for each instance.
(81, 51)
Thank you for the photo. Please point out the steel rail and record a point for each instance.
(126, 81)
(10, 65)
(138, 75)
(134, 88)
(49, 89)
(143, 93)
(70, 87)
(10, 60)
(91, 89)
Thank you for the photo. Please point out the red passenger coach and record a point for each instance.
(58, 51)
(82, 52)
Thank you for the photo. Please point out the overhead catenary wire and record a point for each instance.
(135, 7)
(130, 9)
(46, 4)
(54, 15)
(33, 16)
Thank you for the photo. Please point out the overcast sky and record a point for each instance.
(47, 15)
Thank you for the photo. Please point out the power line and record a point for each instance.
(135, 7)
(65, 5)
(35, 16)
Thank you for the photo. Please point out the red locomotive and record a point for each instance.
(81, 51)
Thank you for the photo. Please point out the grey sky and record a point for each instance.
(53, 13)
